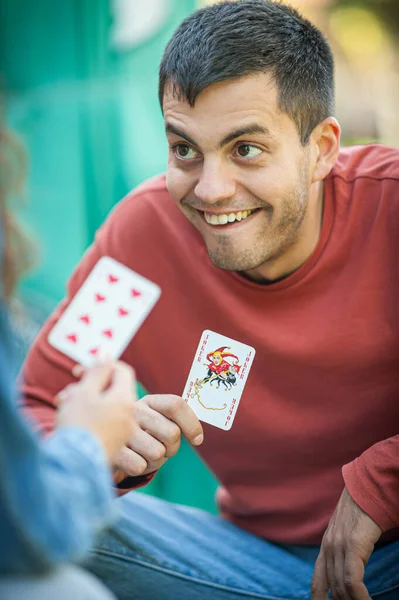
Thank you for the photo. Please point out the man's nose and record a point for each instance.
(215, 184)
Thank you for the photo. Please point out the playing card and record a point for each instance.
(105, 314)
(217, 378)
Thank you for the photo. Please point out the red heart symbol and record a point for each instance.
(135, 293)
(93, 351)
(122, 312)
(85, 319)
(108, 333)
(112, 278)
(100, 298)
(72, 337)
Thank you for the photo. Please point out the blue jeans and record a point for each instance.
(162, 551)
(65, 583)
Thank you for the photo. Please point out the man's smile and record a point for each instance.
(227, 218)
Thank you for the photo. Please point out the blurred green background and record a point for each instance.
(81, 90)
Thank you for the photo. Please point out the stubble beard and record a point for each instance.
(272, 241)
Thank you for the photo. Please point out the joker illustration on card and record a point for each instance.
(217, 378)
(220, 371)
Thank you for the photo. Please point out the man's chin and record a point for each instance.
(237, 262)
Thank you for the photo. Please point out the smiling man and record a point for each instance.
(253, 189)
(264, 231)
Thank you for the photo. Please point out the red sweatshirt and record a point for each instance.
(323, 391)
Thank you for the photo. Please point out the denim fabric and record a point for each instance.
(53, 495)
(161, 551)
(66, 583)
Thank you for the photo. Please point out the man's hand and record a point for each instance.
(160, 421)
(345, 550)
(103, 402)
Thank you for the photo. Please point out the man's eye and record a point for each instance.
(248, 151)
(184, 151)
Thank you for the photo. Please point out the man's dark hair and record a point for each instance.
(234, 39)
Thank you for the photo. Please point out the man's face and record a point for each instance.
(238, 171)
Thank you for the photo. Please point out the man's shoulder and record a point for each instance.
(145, 205)
(146, 215)
(153, 185)
(368, 161)
(147, 194)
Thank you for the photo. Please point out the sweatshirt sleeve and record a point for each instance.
(372, 480)
(53, 496)
(47, 371)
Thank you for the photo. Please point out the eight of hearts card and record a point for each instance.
(105, 314)
(217, 378)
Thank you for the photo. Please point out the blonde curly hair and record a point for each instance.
(17, 250)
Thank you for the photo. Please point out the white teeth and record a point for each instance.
(226, 218)
(214, 220)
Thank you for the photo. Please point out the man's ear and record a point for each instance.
(325, 140)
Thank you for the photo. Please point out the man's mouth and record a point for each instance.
(227, 218)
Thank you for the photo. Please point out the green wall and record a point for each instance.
(90, 119)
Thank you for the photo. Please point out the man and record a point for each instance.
(266, 232)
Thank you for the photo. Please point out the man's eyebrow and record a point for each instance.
(247, 130)
(169, 128)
